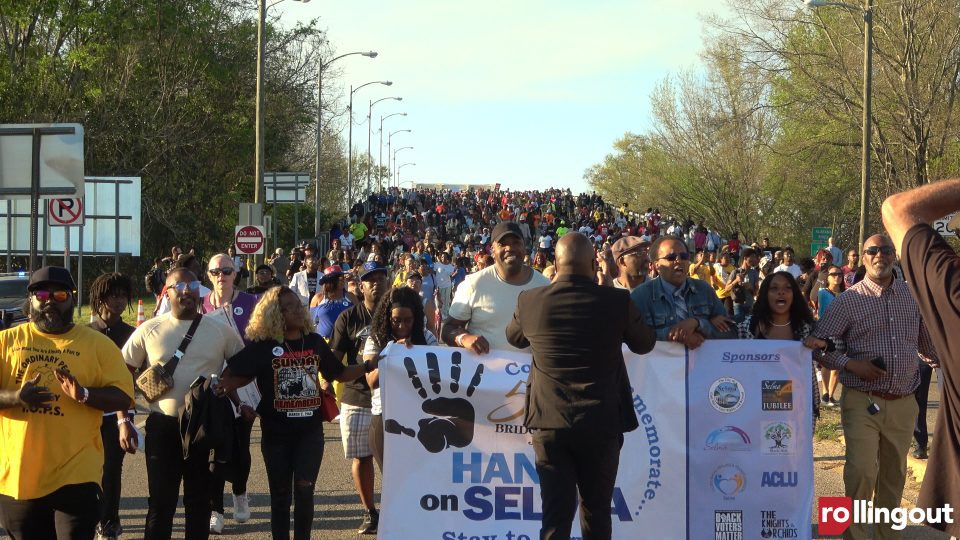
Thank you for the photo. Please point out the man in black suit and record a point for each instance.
(578, 400)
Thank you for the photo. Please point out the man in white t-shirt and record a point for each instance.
(788, 265)
(484, 303)
(156, 341)
(346, 240)
(443, 274)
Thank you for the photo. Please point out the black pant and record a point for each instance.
(292, 461)
(165, 468)
(112, 470)
(920, 431)
(70, 512)
(376, 439)
(239, 468)
(569, 461)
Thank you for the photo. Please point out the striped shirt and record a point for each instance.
(866, 321)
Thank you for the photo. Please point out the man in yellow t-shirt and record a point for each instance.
(56, 381)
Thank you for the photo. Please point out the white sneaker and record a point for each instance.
(241, 508)
(216, 522)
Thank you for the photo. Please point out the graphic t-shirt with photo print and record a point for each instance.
(287, 375)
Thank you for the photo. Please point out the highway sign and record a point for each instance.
(820, 234)
(249, 239)
(65, 212)
(945, 225)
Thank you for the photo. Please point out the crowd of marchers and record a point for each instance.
(288, 338)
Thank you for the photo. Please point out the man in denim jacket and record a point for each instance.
(677, 307)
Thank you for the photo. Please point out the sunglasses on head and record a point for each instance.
(181, 286)
(873, 250)
(218, 271)
(44, 295)
(835, 274)
(674, 256)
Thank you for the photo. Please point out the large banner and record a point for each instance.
(724, 448)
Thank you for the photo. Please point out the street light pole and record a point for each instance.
(867, 136)
(395, 158)
(398, 172)
(350, 140)
(258, 121)
(380, 159)
(316, 192)
(389, 154)
(370, 132)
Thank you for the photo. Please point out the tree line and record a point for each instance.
(765, 138)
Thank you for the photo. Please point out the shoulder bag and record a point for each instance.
(157, 379)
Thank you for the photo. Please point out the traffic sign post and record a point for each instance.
(249, 239)
(65, 212)
(818, 238)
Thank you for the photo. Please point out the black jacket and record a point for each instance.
(206, 424)
(576, 330)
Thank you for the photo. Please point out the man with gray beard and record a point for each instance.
(56, 381)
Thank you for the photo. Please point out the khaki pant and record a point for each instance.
(876, 457)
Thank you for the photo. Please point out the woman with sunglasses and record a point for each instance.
(780, 312)
(826, 295)
(286, 358)
(234, 308)
(399, 318)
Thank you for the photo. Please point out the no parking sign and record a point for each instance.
(65, 212)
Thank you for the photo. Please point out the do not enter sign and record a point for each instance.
(249, 239)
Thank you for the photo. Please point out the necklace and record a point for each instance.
(780, 325)
(302, 345)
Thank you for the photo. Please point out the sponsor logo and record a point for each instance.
(513, 429)
(726, 395)
(777, 439)
(728, 525)
(772, 526)
(733, 358)
(779, 479)
(836, 514)
(728, 438)
(776, 395)
(729, 481)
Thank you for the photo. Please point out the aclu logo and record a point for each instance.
(779, 479)
(776, 395)
(728, 525)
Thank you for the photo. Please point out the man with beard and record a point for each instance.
(305, 282)
(56, 381)
(156, 342)
(350, 335)
(579, 401)
(679, 308)
(879, 333)
(484, 302)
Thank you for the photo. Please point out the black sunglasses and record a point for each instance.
(674, 256)
(218, 271)
(873, 250)
(835, 274)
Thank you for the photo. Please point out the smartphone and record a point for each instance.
(878, 361)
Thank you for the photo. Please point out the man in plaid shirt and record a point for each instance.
(880, 337)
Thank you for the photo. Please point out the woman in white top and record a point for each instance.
(398, 318)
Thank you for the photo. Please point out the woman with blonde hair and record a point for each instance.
(286, 358)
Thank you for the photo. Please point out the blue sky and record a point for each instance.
(528, 93)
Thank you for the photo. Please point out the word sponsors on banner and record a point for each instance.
(723, 451)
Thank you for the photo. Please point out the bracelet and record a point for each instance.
(368, 366)
(458, 338)
(85, 396)
(125, 420)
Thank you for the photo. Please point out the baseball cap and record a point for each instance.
(371, 267)
(331, 272)
(504, 228)
(264, 267)
(415, 275)
(627, 245)
(51, 275)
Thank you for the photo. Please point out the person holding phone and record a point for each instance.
(880, 341)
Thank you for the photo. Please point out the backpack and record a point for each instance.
(153, 280)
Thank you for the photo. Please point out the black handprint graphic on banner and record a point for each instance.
(452, 418)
